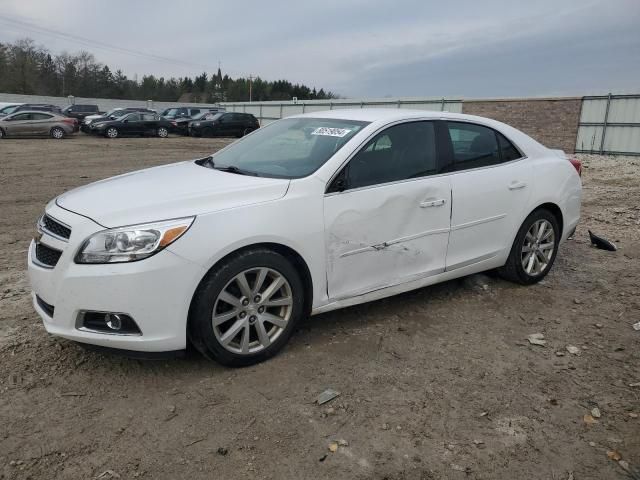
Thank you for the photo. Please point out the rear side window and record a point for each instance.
(194, 111)
(148, 117)
(40, 116)
(473, 145)
(507, 150)
(398, 153)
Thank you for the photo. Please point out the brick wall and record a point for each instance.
(551, 121)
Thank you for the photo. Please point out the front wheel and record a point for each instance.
(111, 132)
(534, 249)
(57, 133)
(245, 310)
(163, 132)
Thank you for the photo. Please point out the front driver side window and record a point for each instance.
(401, 152)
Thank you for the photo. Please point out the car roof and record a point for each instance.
(383, 116)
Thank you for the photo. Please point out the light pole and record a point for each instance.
(250, 87)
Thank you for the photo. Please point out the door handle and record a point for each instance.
(433, 203)
(517, 185)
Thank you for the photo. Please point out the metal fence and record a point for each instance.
(609, 125)
(267, 112)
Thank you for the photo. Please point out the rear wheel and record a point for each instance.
(111, 132)
(534, 249)
(57, 133)
(163, 132)
(245, 310)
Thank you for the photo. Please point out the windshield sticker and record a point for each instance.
(331, 132)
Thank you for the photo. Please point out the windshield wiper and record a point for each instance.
(209, 163)
(236, 170)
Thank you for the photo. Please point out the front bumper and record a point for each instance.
(155, 292)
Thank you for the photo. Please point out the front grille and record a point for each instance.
(51, 225)
(47, 256)
(49, 309)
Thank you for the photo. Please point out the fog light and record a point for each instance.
(107, 322)
(113, 321)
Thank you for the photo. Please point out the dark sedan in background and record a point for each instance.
(224, 125)
(181, 125)
(135, 123)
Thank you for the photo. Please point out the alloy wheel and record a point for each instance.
(252, 310)
(538, 247)
(112, 133)
(162, 132)
(57, 133)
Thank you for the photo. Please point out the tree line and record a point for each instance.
(29, 69)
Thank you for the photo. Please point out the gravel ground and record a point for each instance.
(439, 383)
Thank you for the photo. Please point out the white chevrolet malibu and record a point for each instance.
(309, 214)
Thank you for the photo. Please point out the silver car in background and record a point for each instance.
(34, 124)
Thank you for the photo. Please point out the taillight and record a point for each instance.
(71, 121)
(577, 164)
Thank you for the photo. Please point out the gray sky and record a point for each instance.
(358, 48)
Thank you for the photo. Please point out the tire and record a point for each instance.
(111, 132)
(529, 261)
(246, 131)
(243, 334)
(57, 133)
(162, 132)
(207, 132)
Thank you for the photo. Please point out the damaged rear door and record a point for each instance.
(387, 213)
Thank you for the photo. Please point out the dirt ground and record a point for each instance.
(439, 383)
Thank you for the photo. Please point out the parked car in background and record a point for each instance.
(80, 111)
(7, 108)
(224, 125)
(313, 213)
(134, 123)
(34, 123)
(181, 125)
(187, 112)
(111, 115)
(38, 107)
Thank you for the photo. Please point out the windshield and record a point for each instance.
(289, 148)
(172, 112)
(202, 115)
(9, 109)
(116, 112)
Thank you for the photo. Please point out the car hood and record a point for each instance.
(170, 191)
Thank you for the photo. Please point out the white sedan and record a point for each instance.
(309, 214)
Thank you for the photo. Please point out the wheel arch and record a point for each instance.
(286, 251)
(555, 210)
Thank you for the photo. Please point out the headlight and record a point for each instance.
(135, 242)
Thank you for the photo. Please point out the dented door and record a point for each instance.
(386, 235)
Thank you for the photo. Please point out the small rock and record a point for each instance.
(592, 444)
(577, 301)
(595, 412)
(343, 443)
(330, 411)
(333, 447)
(573, 350)
(385, 426)
(636, 326)
(537, 339)
(326, 396)
(172, 408)
(637, 384)
(589, 420)
(614, 455)
(478, 442)
(222, 451)
(599, 325)
(633, 415)
(559, 354)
